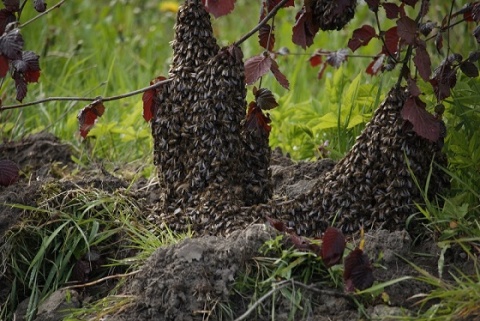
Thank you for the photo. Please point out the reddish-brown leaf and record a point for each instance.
(20, 85)
(333, 246)
(391, 41)
(424, 123)
(391, 9)
(279, 75)
(422, 62)
(6, 16)
(407, 30)
(361, 37)
(358, 272)
(427, 27)
(9, 172)
(219, 7)
(32, 76)
(148, 98)
(277, 224)
(11, 44)
(266, 37)
(12, 5)
(256, 67)
(469, 69)
(373, 4)
(3, 66)
(257, 121)
(471, 12)
(273, 3)
(315, 59)
(304, 29)
(443, 79)
(321, 71)
(410, 3)
(88, 116)
(375, 65)
(413, 88)
(264, 98)
(439, 42)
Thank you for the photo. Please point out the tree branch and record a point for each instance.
(89, 99)
(42, 14)
(261, 23)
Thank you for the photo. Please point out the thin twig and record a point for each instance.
(116, 276)
(276, 287)
(314, 288)
(261, 23)
(42, 14)
(89, 99)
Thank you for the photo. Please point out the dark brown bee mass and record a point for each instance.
(333, 14)
(214, 165)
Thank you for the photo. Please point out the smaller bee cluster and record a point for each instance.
(372, 186)
(333, 14)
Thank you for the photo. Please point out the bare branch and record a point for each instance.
(42, 14)
(89, 99)
(261, 23)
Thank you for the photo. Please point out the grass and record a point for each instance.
(94, 48)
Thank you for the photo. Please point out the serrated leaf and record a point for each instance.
(358, 273)
(373, 5)
(9, 172)
(266, 37)
(469, 69)
(391, 9)
(336, 58)
(264, 98)
(333, 246)
(391, 41)
(279, 75)
(148, 98)
(273, 3)
(422, 62)
(88, 116)
(219, 8)
(256, 67)
(361, 37)
(256, 120)
(424, 124)
(304, 30)
(20, 85)
(407, 29)
(11, 44)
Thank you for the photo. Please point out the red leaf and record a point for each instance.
(407, 29)
(256, 67)
(273, 3)
(357, 272)
(424, 123)
(3, 66)
(32, 76)
(422, 62)
(333, 246)
(315, 59)
(376, 65)
(266, 37)
(469, 69)
(9, 172)
(299, 242)
(219, 7)
(264, 98)
(279, 76)
(443, 79)
(391, 9)
(373, 4)
(304, 29)
(256, 119)
(6, 16)
(361, 37)
(88, 116)
(277, 224)
(410, 3)
(413, 88)
(148, 98)
(391, 41)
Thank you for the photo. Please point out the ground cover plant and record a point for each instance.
(384, 121)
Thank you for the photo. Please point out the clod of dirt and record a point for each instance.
(185, 281)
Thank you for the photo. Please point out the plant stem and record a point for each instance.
(89, 99)
(42, 14)
(261, 23)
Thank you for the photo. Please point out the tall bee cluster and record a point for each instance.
(208, 165)
(372, 186)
